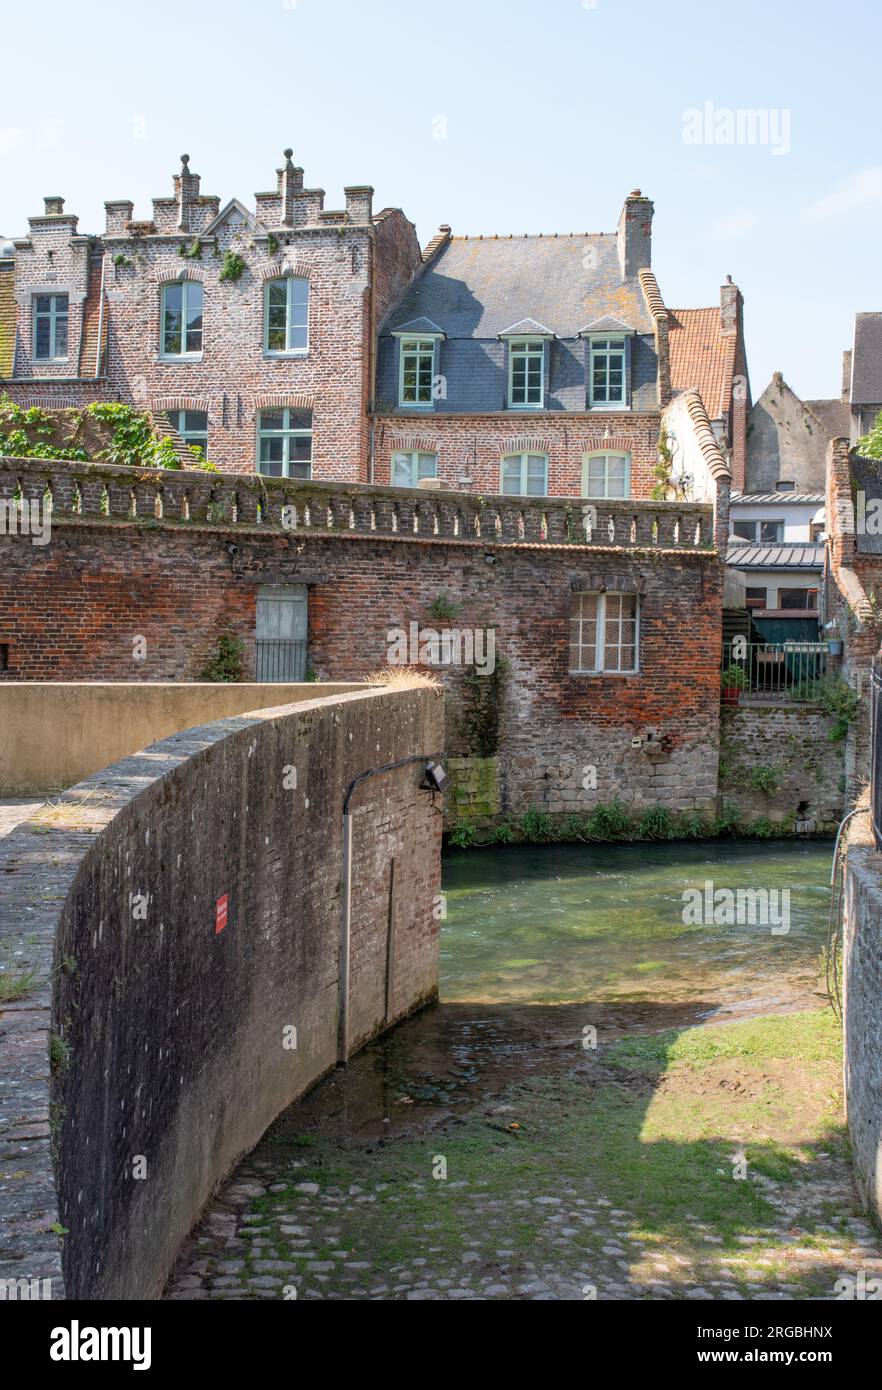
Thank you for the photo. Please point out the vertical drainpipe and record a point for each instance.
(372, 349)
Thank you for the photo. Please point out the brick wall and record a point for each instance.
(471, 447)
(862, 984)
(792, 743)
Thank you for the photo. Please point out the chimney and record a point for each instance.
(290, 183)
(731, 307)
(54, 206)
(634, 235)
(186, 192)
(359, 204)
(846, 376)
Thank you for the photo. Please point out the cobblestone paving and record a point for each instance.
(536, 1204)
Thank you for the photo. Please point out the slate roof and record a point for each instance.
(775, 557)
(866, 367)
(835, 416)
(420, 325)
(867, 475)
(477, 286)
(527, 328)
(702, 357)
(777, 499)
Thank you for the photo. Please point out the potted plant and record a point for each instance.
(732, 681)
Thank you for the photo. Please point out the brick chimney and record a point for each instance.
(634, 235)
(54, 206)
(731, 307)
(846, 376)
(186, 192)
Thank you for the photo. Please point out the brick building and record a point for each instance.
(251, 331)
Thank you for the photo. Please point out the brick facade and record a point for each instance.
(343, 255)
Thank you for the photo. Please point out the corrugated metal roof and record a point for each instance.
(478, 286)
(759, 499)
(775, 557)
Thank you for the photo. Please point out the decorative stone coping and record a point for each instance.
(89, 492)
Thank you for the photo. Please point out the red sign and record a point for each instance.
(220, 913)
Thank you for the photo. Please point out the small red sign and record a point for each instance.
(220, 913)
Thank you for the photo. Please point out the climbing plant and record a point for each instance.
(232, 268)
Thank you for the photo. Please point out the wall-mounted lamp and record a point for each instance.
(436, 778)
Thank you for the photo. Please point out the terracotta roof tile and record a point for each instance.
(702, 357)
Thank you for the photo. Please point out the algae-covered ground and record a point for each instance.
(706, 1162)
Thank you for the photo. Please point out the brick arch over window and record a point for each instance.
(168, 271)
(283, 399)
(603, 444)
(524, 444)
(180, 403)
(422, 443)
(279, 268)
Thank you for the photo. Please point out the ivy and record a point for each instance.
(272, 244)
(193, 252)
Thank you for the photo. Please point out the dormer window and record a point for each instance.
(526, 373)
(182, 319)
(608, 375)
(286, 316)
(417, 372)
(50, 327)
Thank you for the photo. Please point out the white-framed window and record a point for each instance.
(604, 634)
(182, 319)
(526, 373)
(286, 315)
(606, 475)
(50, 327)
(284, 443)
(410, 467)
(607, 373)
(416, 372)
(192, 426)
(524, 475)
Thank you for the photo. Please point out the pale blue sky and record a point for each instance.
(550, 111)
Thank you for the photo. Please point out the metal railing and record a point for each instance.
(279, 660)
(876, 750)
(777, 670)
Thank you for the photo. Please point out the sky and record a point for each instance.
(495, 116)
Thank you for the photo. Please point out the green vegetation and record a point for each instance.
(481, 716)
(443, 608)
(193, 252)
(232, 268)
(871, 444)
(59, 1054)
(227, 664)
(16, 982)
(840, 700)
(24, 434)
(733, 678)
(612, 823)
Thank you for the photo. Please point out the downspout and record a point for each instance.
(346, 898)
(372, 349)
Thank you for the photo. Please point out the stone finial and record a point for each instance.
(185, 164)
(288, 156)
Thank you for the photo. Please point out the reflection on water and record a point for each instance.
(563, 923)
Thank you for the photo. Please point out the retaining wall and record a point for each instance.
(183, 910)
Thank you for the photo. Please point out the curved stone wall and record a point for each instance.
(191, 897)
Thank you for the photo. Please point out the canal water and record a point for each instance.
(543, 942)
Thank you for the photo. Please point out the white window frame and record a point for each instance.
(607, 455)
(599, 344)
(413, 456)
(577, 616)
(185, 286)
(417, 345)
(524, 461)
(530, 350)
(178, 418)
(53, 313)
(289, 281)
(286, 434)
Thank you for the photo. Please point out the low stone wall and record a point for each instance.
(777, 762)
(57, 733)
(862, 977)
(183, 912)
